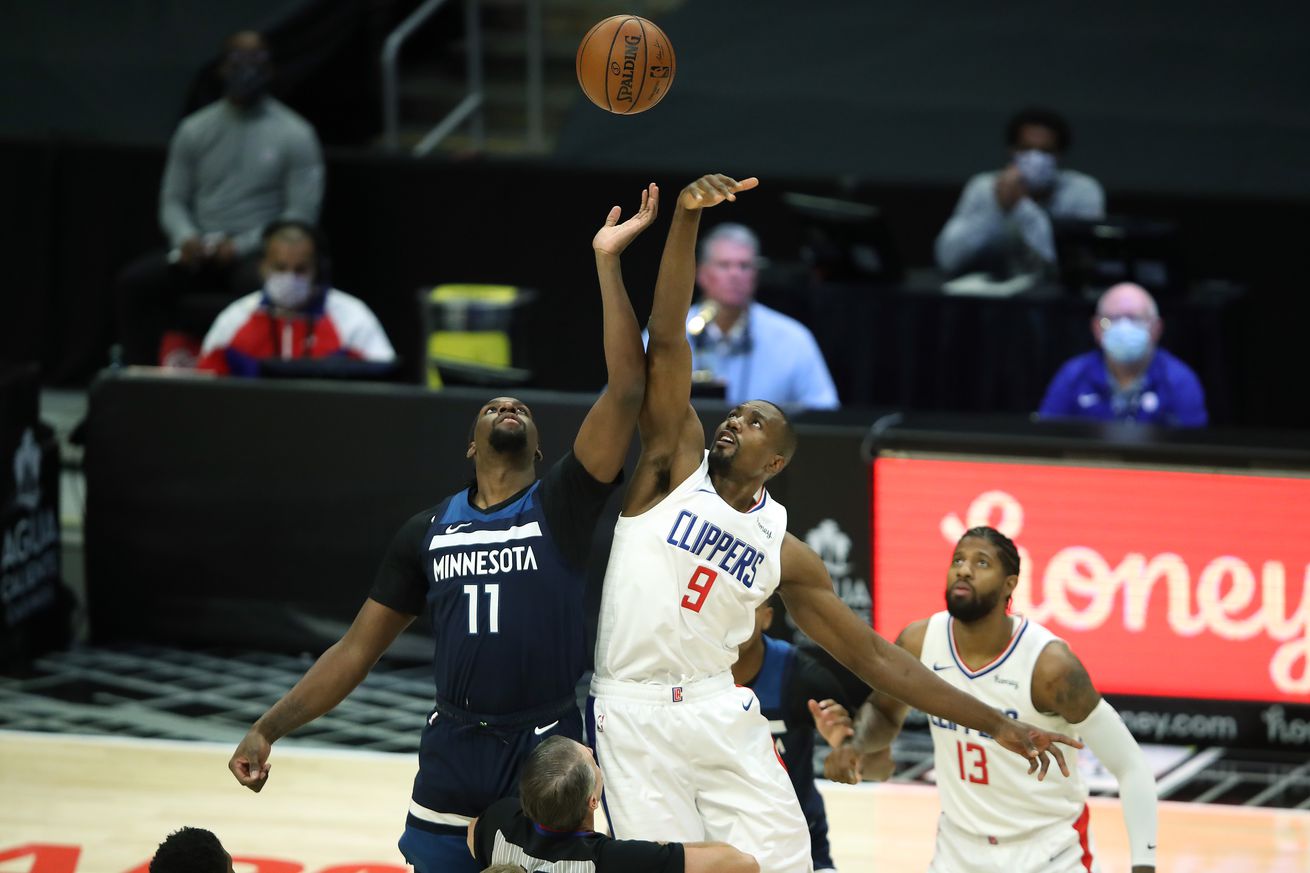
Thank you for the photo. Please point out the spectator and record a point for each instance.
(754, 351)
(1129, 378)
(552, 823)
(233, 167)
(191, 850)
(296, 315)
(790, 685)
(1002, 223)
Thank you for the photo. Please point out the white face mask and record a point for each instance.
(288, 290)
(1038, 169)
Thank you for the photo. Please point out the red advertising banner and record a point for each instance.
(1165, 583)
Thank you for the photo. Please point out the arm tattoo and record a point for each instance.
(1075, 692)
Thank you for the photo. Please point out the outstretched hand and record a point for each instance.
(832, 721)
(849, 765)
(613, 238)
(1035, 744)
(712, 190)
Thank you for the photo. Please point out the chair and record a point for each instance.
(469, 334)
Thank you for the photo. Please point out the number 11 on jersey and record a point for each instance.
(492, 590)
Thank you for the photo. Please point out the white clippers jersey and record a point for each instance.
(683, 582)
(985, 788)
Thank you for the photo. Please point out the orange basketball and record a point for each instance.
(625, 64)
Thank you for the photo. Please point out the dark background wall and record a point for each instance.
(398, 224)
(1164, 96)
(127, 71)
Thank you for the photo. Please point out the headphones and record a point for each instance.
(322, 260)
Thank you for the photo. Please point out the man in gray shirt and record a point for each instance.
(233, 168)
(1003, 222)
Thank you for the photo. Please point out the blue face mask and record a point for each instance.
(1126, 341)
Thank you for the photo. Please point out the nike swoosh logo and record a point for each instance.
(940, 667)
(454, 527)
(541, 730)
(747, 705)
(1150, 845)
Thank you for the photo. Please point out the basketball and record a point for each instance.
(625, 64)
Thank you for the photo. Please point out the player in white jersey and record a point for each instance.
(994, 820)
(700, 543)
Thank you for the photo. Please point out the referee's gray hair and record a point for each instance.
(738, 233)
(556, 784)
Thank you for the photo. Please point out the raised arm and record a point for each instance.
(671, 436)
(668, 387)
(334, 675)
(808, 593)
(602, 442)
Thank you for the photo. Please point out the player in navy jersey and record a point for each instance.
(498, 568)
(791, 687)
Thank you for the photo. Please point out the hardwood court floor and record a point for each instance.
(108, 802)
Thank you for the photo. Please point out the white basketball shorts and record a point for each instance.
(696, 762)
(1062, 848)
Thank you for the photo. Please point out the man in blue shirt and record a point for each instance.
(1129, 378)
(754, 351)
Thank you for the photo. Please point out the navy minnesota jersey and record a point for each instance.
(503, 587)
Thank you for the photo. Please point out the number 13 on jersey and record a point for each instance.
(973, 762)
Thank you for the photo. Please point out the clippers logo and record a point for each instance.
(677, 694)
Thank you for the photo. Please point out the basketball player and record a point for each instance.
(992, 818)
(191, 850)
(699, 544)
(498, 567)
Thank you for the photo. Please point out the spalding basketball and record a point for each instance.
(625, 64)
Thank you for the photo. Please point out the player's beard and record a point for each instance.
(977, 606)
(509, 442)
(720, 461)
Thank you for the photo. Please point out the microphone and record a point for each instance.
(701, 320)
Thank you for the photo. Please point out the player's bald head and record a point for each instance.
(784, 434)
